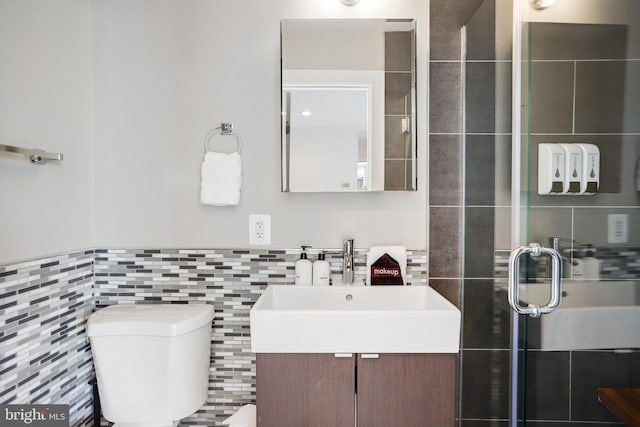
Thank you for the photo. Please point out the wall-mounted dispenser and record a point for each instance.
(573, 168)
(551, 169)
(568, 169)
(590, 168)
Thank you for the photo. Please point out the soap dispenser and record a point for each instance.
(303, 268)
(321, 271)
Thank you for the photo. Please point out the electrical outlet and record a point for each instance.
(259, 229)
(618, 228)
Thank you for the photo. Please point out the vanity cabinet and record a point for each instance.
(323, 390)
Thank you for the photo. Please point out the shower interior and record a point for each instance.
(580, 74)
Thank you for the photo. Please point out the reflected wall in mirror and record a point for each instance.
(348, 105)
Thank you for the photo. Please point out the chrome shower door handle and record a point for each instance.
(534, 310)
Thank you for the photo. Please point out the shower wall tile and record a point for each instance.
(600, 96)
(397, 174)
(488, 97)
(444, 242)
(445, 97)
(399, 90)
(489, 31)
(485, 391)
(551, 97)
(481, 33)
(591, 225)
(547, 385)
(480, 98)
(486, 314)
(397, 52)
(444, 171)
(485, 370)
(502, 239)
(553, 41)
(544, 223)
(397, 145)
(632, 96)
(44, 353)
(593, 369)
(397, 86)
(479, 233)
(481, 172)
(446, 19)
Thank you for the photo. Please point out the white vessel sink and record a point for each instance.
(354, 319)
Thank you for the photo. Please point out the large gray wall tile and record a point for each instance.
(551, 97)
(445, 97)
(600, 96)
(444, 242)
(553, 41)
(444, 171)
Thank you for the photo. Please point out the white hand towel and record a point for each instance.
(221, 179)
(399, 253)
(244, 417)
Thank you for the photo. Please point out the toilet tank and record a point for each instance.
(151, 361)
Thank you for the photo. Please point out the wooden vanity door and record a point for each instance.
(305, 390)
(408, 390)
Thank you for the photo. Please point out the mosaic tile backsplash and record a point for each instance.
(231, 280)
(616, 263)
(44, 354)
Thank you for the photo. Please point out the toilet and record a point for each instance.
(151, 361)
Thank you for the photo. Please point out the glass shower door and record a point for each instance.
(577, 131)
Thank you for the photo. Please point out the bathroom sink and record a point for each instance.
(592, 315)
(354, 319)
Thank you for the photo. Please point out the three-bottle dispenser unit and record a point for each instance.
(568, 169)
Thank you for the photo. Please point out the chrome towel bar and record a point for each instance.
(35, 156)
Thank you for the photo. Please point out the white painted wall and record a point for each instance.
(166, 72)
(309, 47)
(134, 86)
(45, 102)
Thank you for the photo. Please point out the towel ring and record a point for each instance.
(223, 129)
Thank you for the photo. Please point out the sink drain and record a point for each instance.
(349, 297)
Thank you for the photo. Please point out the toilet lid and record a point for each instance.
(149, 319)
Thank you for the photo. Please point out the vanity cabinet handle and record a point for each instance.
(370, 356)
(343, 355)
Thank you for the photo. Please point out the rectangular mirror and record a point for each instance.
(348, 105)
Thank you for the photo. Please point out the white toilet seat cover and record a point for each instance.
(148, 319)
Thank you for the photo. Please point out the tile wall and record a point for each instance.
(399, 89)
(44, 352)
(62, 291)
(469, 196)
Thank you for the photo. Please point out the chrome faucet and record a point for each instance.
(347, 262)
